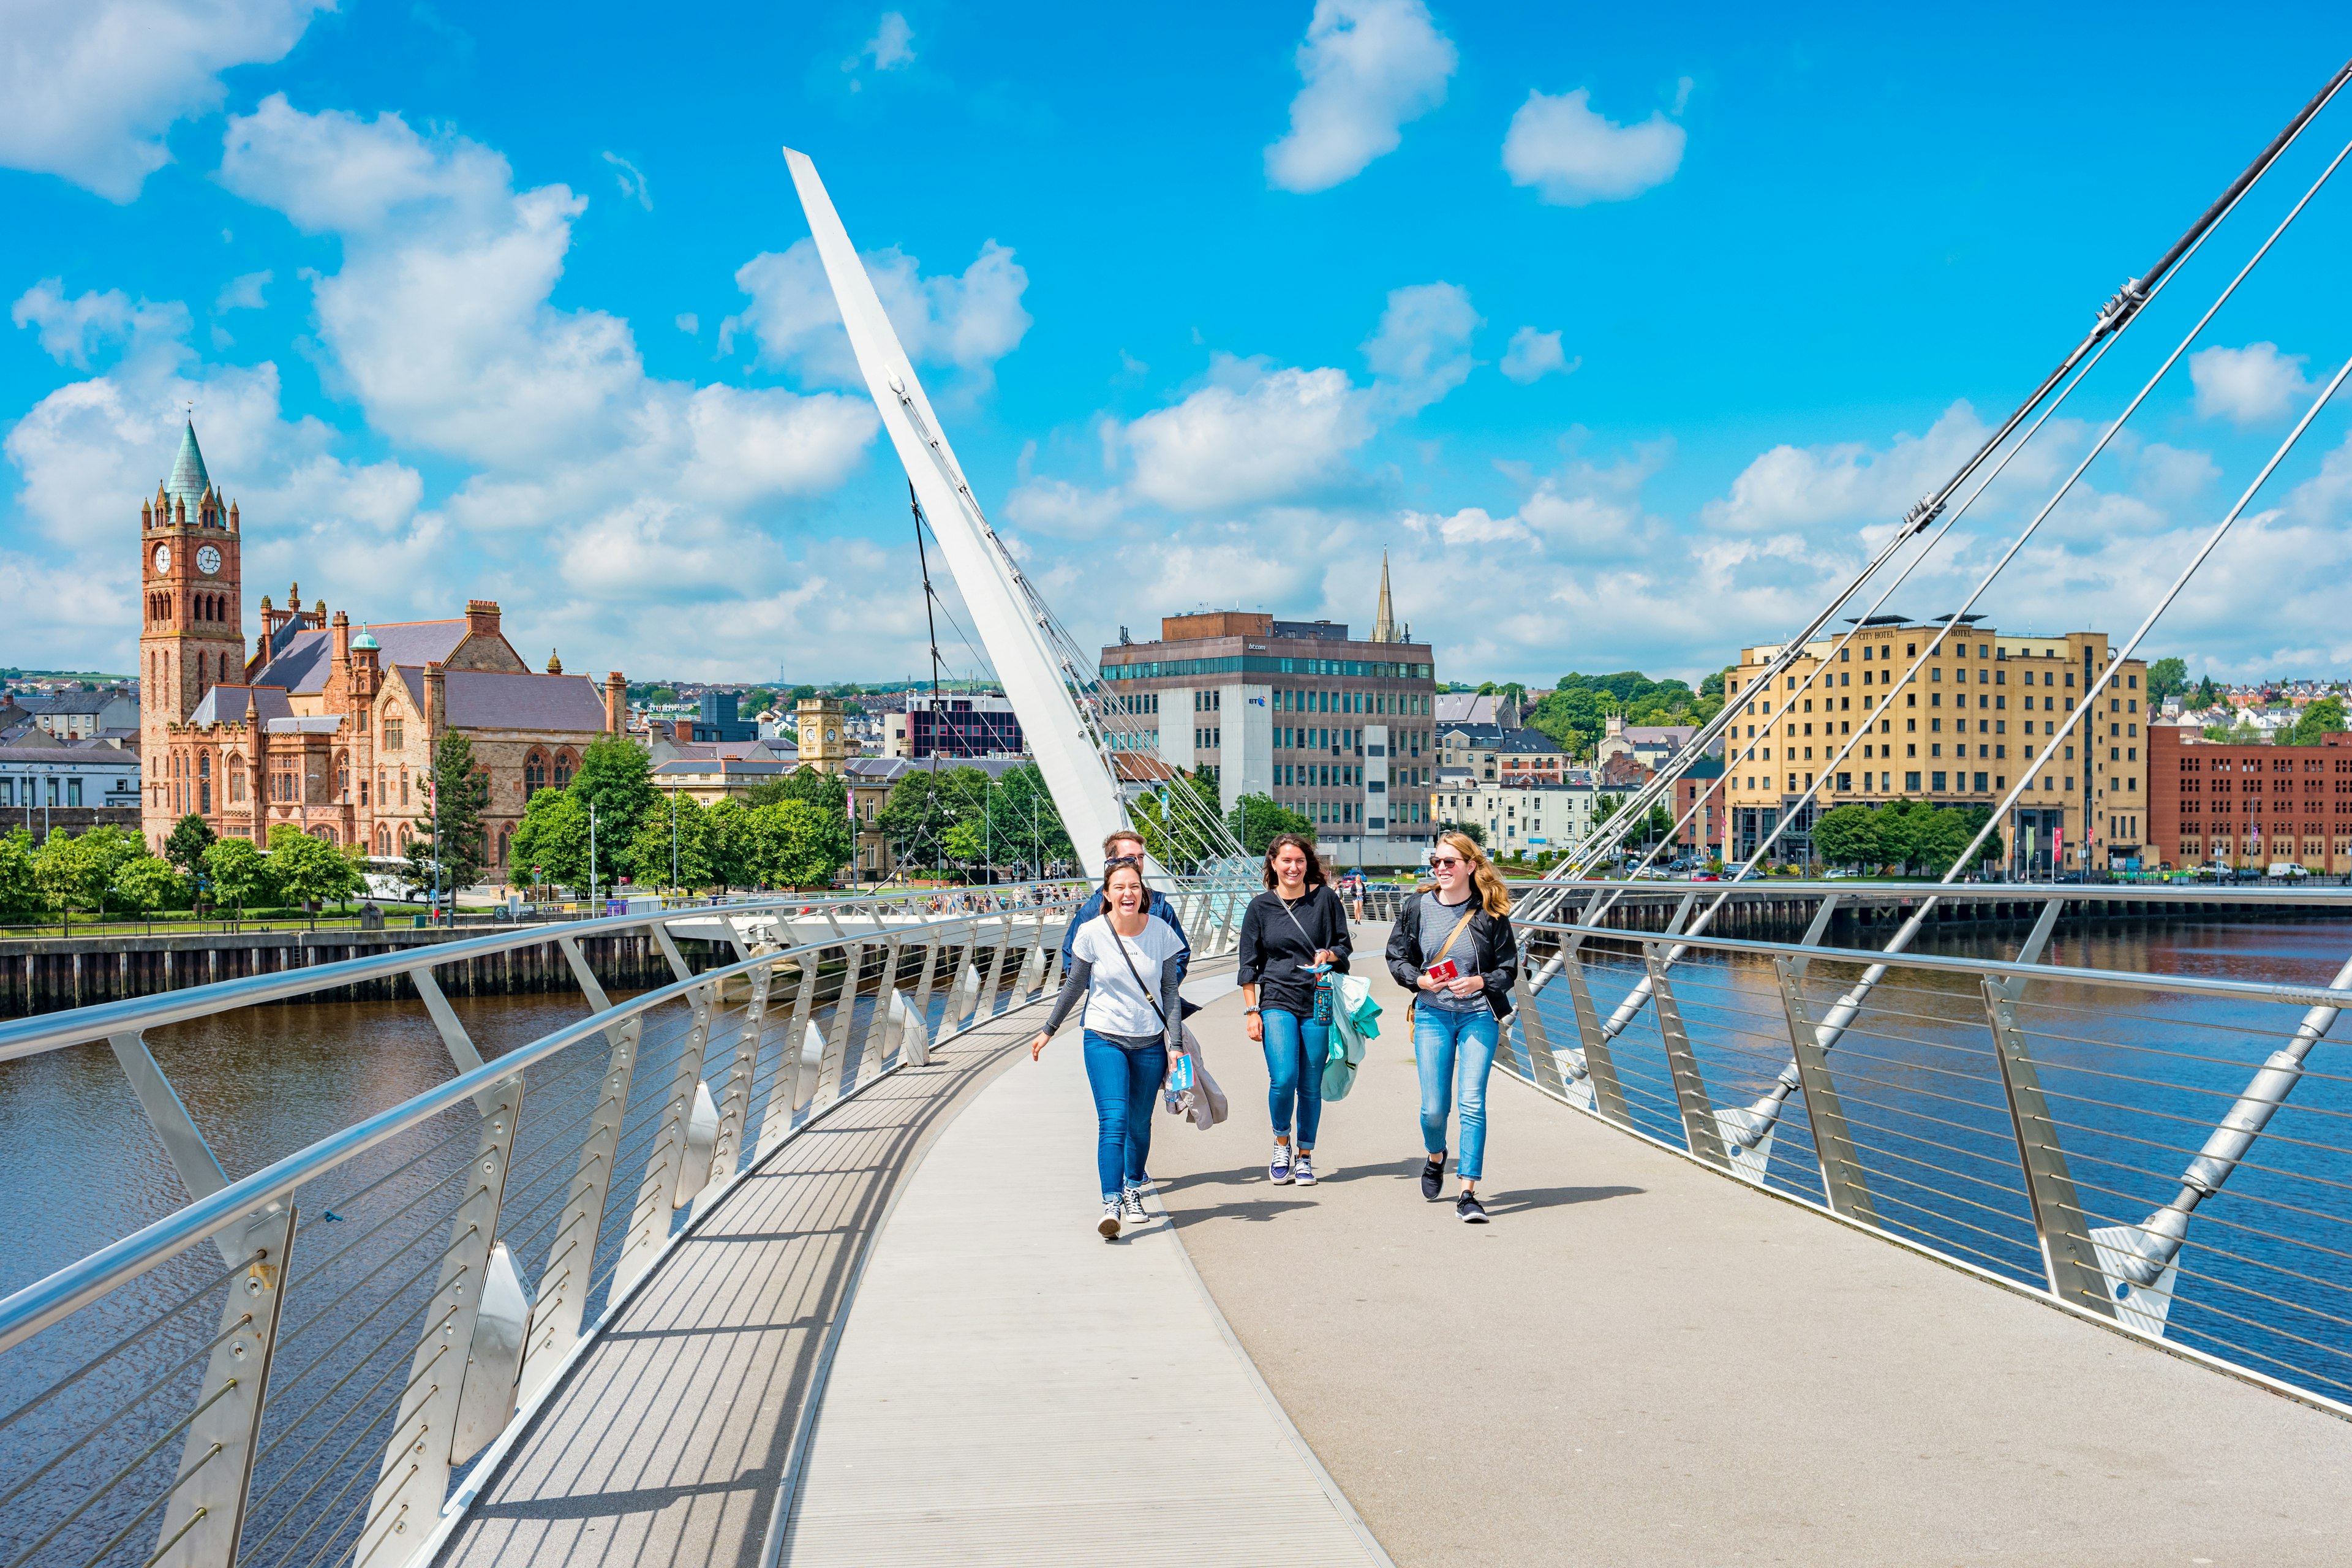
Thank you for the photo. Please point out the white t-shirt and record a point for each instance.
(1115, 1004)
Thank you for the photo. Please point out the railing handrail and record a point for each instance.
(27, 1311)
(1961, 892)
(53, 1031)
(2193, 984)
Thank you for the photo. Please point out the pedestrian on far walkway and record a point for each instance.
(1294, 937)
(1452, 945)
(1125, 966)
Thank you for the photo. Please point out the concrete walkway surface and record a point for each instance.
(1642, 1362)
(1011, 1389)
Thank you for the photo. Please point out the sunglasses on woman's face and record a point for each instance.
(1446, 860)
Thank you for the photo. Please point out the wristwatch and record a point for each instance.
(1247, 1011)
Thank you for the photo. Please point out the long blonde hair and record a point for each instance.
(1495, 897)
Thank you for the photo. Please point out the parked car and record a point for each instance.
(2288, 871)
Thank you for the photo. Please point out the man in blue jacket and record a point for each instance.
(1126, 844)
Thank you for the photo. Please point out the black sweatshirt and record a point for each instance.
(1275, 944)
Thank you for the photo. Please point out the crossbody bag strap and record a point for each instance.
(1459, 926)
(1129, 961)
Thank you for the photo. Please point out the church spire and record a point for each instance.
(189, 482)
(1384, 627)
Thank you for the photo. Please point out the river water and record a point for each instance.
(2135, 1079)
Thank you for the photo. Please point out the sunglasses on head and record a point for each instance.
(1122, 860)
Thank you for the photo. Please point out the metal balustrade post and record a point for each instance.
(1843, 1185)
(735, 1097)
(1033, 966)
(933, 948)
(2068, 1260)
(783, 1095)
(662, 1187)
(204, 1521)
(844, 1016)
(563, 1283)
(1608, 1093)
(1690, 1089)
(875, 1042)
(995, 982)
(1537, 1046)
(414, 1480)
(191, 1157)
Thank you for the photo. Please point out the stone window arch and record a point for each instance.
(323, 833)
(506, 845)
(342, 775)
(233, 769)
(384, 840)
(205, 784)
(566, 764)
(534, 772)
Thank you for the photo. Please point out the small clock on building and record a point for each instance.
(207, 561)
(162, 558)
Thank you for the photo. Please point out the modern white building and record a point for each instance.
(36, 771)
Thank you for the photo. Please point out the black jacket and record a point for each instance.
(1273, 948)
(1498, 951)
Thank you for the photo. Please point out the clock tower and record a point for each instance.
(190, 638)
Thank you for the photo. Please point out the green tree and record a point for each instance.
(1022, 825)
(1173, 825)
(615, 779)
(2166, 678)
(726, 843)
(1257, 821)
(672, 848)
(461, 792)
(2321, 718)
(1848, 836)
(923, 810)
(2208, 693)
(790, 844)
(1473, 831)
(146, 882)
(829, 793)
(307, 868)
(239, 873)
(78, 873)
(20, 891)
(553, 841)
(191, 836)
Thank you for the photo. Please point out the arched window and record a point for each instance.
(384, 840)
(534, 773)
(565, 762)
(324, 834)
(342, 776)
(505, 844)
(233, 768)
(205, 784)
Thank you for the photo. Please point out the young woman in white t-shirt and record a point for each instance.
(1126, 966)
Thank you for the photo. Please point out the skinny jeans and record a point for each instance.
(1455, 1050)
(1125, 1073)
(1295, 1050)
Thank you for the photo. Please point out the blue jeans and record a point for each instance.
(1454, 1050)
(1125, 1079)
(1295, 1050)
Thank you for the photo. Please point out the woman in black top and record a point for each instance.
(1292, 934)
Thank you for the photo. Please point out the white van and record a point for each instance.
(2288, 871)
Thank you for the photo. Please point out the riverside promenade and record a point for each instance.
(1640, 1360)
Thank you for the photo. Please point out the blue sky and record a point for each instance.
(1625, 330)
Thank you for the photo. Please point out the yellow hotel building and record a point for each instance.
(1983, 707)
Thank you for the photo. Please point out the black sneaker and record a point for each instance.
(1433, 1179)
(1469, 1210)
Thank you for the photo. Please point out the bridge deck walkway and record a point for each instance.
(662, 1448)
(1640, 1361)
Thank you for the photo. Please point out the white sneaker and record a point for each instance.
(1277, 1170)
(1302, 1169)
(1108, 1224)
(1130, 1207)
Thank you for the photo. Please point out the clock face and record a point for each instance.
(207, 561)
(162, 558)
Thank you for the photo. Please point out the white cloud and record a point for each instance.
(334, 171)
(1573, 155)
(1793, 486)
(2247, 385)
(1532, 355)
(631, 180)
(1470, 526)
(967, 323)
(689, 323)
(1253, 435)
(1059, 507)
(891, 48)
(88, 88)
(243, 293)
(1422, 347)
(71, 329)
(1369, 66)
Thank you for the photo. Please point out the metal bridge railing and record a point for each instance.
(299, 1367)
(2054, 1127)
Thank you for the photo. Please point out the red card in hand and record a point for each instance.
(1441, 973)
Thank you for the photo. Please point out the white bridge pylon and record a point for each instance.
(1010, 627)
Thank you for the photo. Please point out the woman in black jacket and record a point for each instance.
(1292, 934)
(1452, 945)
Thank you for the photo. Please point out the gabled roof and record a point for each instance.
(493, 700)
(302, 662)
(226, 705)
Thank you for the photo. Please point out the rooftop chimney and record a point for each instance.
(481, 618)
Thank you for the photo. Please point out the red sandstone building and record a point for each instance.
(2250, 805)
(320, 728)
